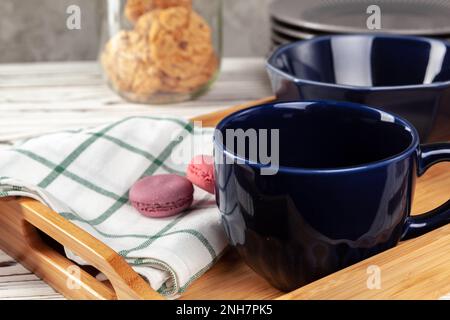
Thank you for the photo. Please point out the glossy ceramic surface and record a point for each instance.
(342, 193)
(413, 17)
(408, 76)
(282, 30)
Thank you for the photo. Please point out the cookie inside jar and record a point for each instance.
(168, 54)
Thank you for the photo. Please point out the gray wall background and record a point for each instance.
(35, 30)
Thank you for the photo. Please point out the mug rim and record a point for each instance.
(413, 146)
(281, 49)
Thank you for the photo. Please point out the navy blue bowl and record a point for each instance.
(409, 76)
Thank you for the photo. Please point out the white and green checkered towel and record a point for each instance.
(85, 175)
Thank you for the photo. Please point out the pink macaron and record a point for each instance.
(200, 172)
(161, 195)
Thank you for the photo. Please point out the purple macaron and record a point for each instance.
(161, 195)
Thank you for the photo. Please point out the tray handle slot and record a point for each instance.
(19, 219)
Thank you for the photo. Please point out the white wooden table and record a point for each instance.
(39, 98)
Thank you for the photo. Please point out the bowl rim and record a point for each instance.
(405, 153)
(270, 66)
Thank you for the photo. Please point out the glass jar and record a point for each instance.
(161, 51)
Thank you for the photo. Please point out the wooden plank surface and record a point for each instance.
(16, 282)
(38, 98)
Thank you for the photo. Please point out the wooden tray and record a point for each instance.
(34, 235)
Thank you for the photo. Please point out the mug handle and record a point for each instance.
(415, 226)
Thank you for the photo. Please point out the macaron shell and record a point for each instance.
(161, 196)
(200, 172)
(158, 211)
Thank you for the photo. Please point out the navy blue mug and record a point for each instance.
(341, 191)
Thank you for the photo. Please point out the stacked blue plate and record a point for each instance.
(293, 20)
